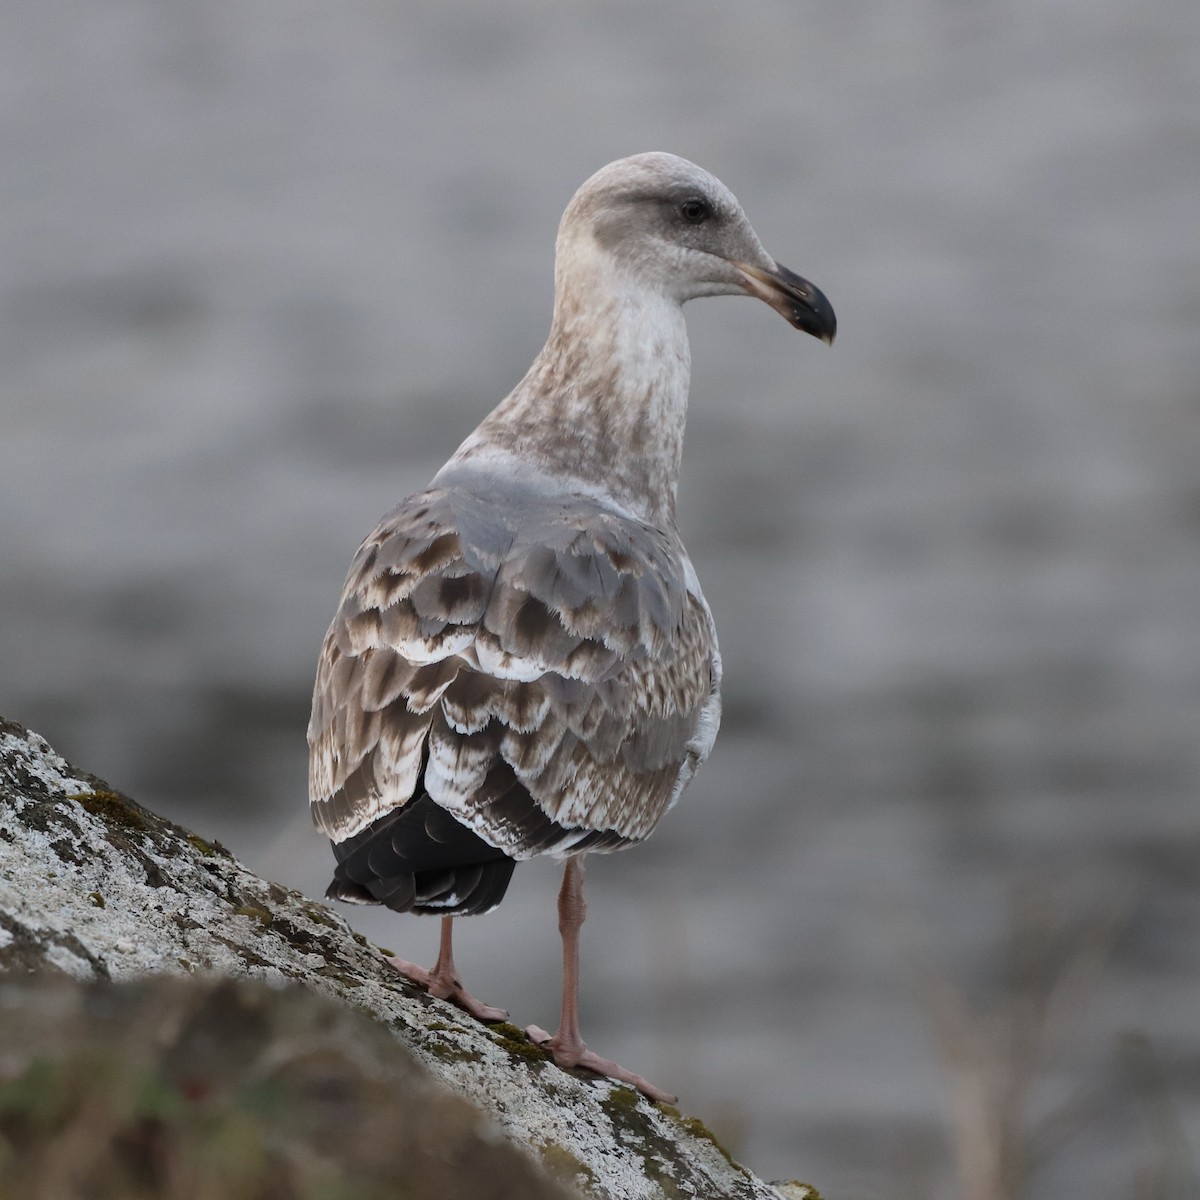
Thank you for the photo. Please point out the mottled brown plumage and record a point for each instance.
(522, 661)
(487, 629)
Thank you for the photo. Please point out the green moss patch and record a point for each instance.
(207, 848)
(698, 1129)
(509, 1037)
(256, 913)
(445, 1050)
(114, 809)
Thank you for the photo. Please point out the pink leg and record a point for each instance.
(443, 981)
(567, 1047)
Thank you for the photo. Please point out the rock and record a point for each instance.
(96, 887)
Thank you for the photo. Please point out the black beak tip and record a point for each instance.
(815, 315)
(810, 308)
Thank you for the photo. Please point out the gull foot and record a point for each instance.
(567, 1053)
(447, 988)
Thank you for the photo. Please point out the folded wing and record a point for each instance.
(542, 669)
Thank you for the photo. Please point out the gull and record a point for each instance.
(522, 661)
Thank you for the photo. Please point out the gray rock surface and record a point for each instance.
(99, 888)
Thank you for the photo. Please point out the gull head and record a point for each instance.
(656, 221)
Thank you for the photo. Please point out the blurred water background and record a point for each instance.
(262, 265)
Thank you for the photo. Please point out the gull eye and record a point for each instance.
(695, 210)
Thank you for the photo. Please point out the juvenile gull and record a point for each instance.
(522, 661)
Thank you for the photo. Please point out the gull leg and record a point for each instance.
(443, 981)
(567, 1046)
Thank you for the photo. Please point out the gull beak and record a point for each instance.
(795, 299)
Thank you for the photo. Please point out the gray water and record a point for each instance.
(262, 265)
